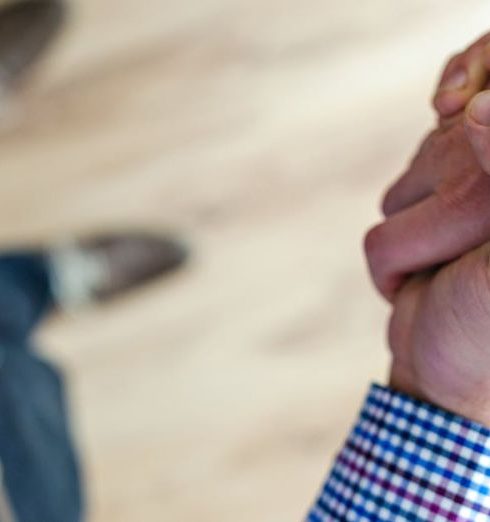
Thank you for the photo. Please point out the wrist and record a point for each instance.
(471, 405)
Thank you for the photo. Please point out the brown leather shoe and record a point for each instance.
(26, 29)
(101, 268)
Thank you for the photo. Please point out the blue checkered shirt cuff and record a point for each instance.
(408, 461)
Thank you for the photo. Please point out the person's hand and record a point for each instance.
(438, 210)
(438, 226)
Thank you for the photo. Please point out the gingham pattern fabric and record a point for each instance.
(408, 461)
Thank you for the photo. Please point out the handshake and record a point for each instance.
(430, 257)
(420, 448)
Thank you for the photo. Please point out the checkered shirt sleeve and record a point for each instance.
(408, 461)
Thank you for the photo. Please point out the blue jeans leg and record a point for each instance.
(25, 295)
(40, 468)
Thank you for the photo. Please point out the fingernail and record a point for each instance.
(456, 81)
(480, 108)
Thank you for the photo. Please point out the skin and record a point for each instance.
(430, 257)
(464, 75)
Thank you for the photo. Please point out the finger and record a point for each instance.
(477, 126)
(417, 183)
(414, 186)
(464, 76)
(445, 156)
(434, 231)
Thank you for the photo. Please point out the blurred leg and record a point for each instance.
(39, 463)
(25, 295)
(40, 468)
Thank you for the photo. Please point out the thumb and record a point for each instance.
(477, 125)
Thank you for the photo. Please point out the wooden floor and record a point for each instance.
(264, 132)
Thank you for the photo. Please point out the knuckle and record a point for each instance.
(388, 202)
(373, 241)
(454, 60)
(379, 250)
(375, 250)
(460, 195)
(450, 66)
(452, 199)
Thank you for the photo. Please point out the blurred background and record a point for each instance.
(264, 132)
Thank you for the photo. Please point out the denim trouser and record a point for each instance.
(39, 464)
